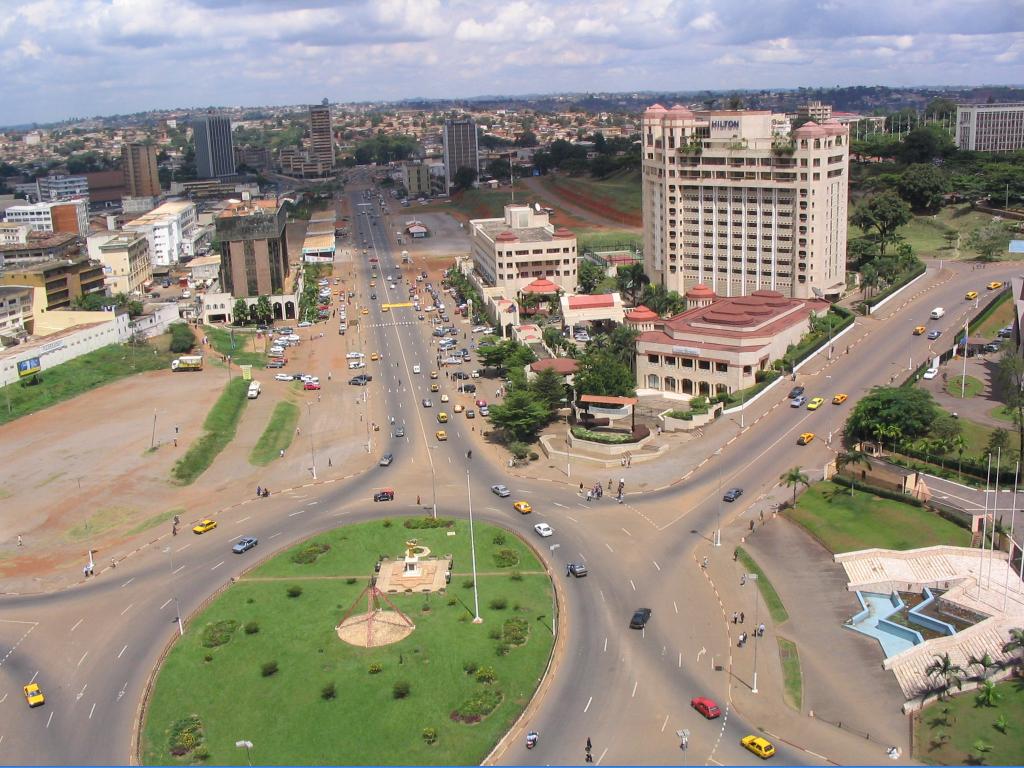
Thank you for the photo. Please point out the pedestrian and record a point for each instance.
(85, 571)
(175, 442)
(735, 617)
(581, 490)
(741, 617)
(609, 483)
(568, 569)
(20, 542)
(282, 453)
(619, 499)
(762, 517)
(328, 375)
(743, 580)
(760, 630)
(590, 495)
(175, 429)
(623, 461)
(751, 526)
(589, 758)
(317, 399)
(298, 431)
(417, 499)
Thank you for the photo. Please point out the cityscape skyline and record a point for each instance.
(117, 57)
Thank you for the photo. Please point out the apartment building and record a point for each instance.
(990, 127)
(416, 179)
(139, 164)
(57, 283)
(57, 187)
(729, 204)
(67, 216)
(170, 229)
(15, 309)
(513, 251)
(321, 136)
(125, 258)
(37, 246)
(461, 148)
(253, 249)
(814, 110)
(215, 156)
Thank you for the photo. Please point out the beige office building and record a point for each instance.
(814, 110)
(521, 247)
(728, 204)
(321, 135)
(990, 127)
(125, 258)
(141, 175)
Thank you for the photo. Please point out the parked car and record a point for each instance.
(360, 381)
(931, 373)
(283, 377)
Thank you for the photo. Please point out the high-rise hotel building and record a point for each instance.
(729, 203)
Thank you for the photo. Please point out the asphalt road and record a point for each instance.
(92, 647)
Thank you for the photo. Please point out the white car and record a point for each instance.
(283, 376)
(307, 377)
(931, 373)
(474, 374)
(500, 490)
(544, 530)
(305, 324)
(354, 356)
(294, 337)
(479, 328)
(276, 351)
(416, 369)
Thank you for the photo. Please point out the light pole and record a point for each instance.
(718, 525)
(828, 442)
(312, 447)
(247, 746)
(472, 544)
(152, 439)
(568, 449)
(174, 592)
(757, 602)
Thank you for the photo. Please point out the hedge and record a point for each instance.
(813, 342)
(885, 493)
(967, 466)
(911, 274)
(747, 394)
(602, 437)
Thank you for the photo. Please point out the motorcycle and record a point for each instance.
(531, 739)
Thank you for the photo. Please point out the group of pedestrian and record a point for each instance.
(742, 640)
(737, 617)
(627, 460)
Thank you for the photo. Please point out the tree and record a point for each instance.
(182, 338)
(852, 458)
(923, 186)
(940, 108)
(552, 338)
(909, 409)
(794, 478)
(949, 674)
(882, 215)
(549, 389)
(988, 694)
(924, 144)
(959, 445)
(526, 139)
(520, 416)
(499, 168)
(663, 301)
(464, 178)
(1009, 381)
(262, 312)
(600, 372)
(998, 441)
(990, 241)
(631, 280)
(986, 662)
(1016, 641)
(589, 276)
(241, 312)
(621, 342)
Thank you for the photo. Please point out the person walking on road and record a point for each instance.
(735, 617)
(741, 617)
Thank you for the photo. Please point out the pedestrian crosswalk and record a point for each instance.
(392, 325)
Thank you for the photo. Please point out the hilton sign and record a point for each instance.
(725, 125)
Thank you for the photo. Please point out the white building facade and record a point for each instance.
(990, 127)
(65, 216)
(170, 229)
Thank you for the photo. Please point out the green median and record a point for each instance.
(219, 430)
(277, 436)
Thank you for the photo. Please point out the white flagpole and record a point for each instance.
(1013, 514)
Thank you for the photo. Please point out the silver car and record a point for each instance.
(500, 490)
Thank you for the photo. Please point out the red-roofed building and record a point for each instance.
(600, 307)
(720, 347)
(541, 286)
(564, 366)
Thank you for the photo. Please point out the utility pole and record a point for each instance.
(152, 439)
(472, 544)
(757, 602)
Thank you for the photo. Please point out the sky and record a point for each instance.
(65, 58)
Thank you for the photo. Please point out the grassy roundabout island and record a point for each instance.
(264, 661)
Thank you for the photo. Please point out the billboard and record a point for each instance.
(28, 367)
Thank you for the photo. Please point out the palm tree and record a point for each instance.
(1016, 642)
(960, 444)
(631, 280)
(943, 445)
(951, 674)
(986, 663)
(795, 478)
(852, 459)
(891, 430)
(988, 694)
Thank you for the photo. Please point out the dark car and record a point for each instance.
(459, 375)
(386, 459)
(471, 388)
(579, 570)
(795, 392)
(991, 347)
(373, 296)
(732, 494)
(275, 364)
(385, 495)
(360, 381)
(244, 544)
(640, 618)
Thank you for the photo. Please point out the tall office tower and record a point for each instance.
(215, 156)
(140, 170)
(461, 149)
(728, 204)
(990, 127)
(321, 138)
(253, 248)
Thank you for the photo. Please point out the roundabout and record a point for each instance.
(304, 657)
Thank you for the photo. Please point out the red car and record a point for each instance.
(706, 707)
(311, 385)
(481, 403)
(373, 259)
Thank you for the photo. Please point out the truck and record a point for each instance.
(187, 363)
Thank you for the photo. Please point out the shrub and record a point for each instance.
(186, 735)
(612, 438)
(499, 604)
(469, 667)
(201, 753)
(218, 633)
(294, 590)
(516, 576)
(534, 455)
(430, 735)
(452, 601)
(478, 706)
(182, 338)
(375, 668)
(486, 675)
(252, 627)
(499, 539)
(494, 634)
(428, 522)
(400, 689)
(515, 631)
(350, 580)
(387, 523)
(328, 692)
(467, 584)
(309, 553)
(506, 558)
(208, 657)
(502, 649)
(269, 668)
(519, 449)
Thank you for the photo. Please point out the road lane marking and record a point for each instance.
(128, 582)
(177, 570)
(49, 719)
(2, 700)
(605, 645)
(276, 534)
(635, 684)
(602, 756)
(601, 593)
(127, 609)
(120, 693)
(626, 532)
(77, 624)
(572, 518)
(293, 514)
(560, 505)
(218, 565)
(92, 709)
(182, 549)
(664, 724)
(676, 607)
(169, 599)
(80, 660)
(247, 517)
(582, 506)
(656, 564)
(680, 659)
(313, 502)
(588, 705)
(35, 676)
(122, 652)
(81, 693)
(524, 491)
(609, 547)
(632, 585)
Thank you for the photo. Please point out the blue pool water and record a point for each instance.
(893, 637)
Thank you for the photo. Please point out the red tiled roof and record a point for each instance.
(641, 314)
(540, 285)
(700, 291)
(591, 302)
(562, 365)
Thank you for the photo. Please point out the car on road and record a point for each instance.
(805, 438)
(732, 494)
(441, 435)
(364, 311)
(305, 324)
(244, 544)
(919, 329)
(933, 335)
(544, 530)
(640, 618)
(480, 403)
(839, 399)
(282, 376)
(416, 369)
(795, 392)
(386, 459)
(442, 418)
(459, 408)
(971, 295)
(434, 374)
(445, 398)
(360, 381)
(707, 707)
(991, 347)
(470, 414)
(399, 431)
(815, 403)
(354, 356)
(435, 387)
(469, 388)
(522, 507)
(931, 373)
(500, 490)
(204, 526)
(995, 285)
(311, 385)
(373, 296)
(485, 411)
(427, 402)
(579, 570)
(384, 494)
(34, 695)
(798, 402)
(375, 357)
(759, 745)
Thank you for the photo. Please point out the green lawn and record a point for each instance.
(1002, 413)
(947, 732)
(620, 191)
(976, 436)
(80, 375)
(793, 684)
(1001, 317)
(286, 716)
(238, 344)
(278, 434)
(957, 386)
(771, 598)
(607, 239)
(846, 523)
(925, 233)
(219, 430)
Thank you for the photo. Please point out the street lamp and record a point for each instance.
(757, 603)
(247, 746)
(828, 389)
(312, 447)
(472, 544)
(174, 592)
(718, 525)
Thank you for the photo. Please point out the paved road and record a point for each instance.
(92, 647)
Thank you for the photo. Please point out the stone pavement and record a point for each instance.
(977, 408)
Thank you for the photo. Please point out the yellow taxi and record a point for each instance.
(815, 403)
(34, 695)
(918, 330)
(839, 399)
(522, 507)
(459, 408)
(759, 746)
(374, 356)
(364, 311)
(995, 285)
(385, 308)
(434, 387)
(204, 526)
(442, 417)
(433, 374)
(373, 283)
(971, 295)
(441, 435)
(805, 438)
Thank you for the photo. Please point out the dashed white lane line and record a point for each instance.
(169, 599)
(664, 724)
(605, 645)
(247, 517)
(49, 720)
(92, 709)
(632, 585)
(128, 582)
(77, 624)
(177, 570)
(276, 534)
(218, 565)
(572, 518)
(182, 549)
(609, 547)
(676, 607)
(128, 608)
(82, 659)
(122, 652)
(602, 756)
(560, 505)
(656, 564)
(635, 684)
(293, 514)
(313, 502)
(588, 705)
(626, 532)
(34, 676)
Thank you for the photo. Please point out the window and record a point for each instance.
(652, 359)
(721, 367)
